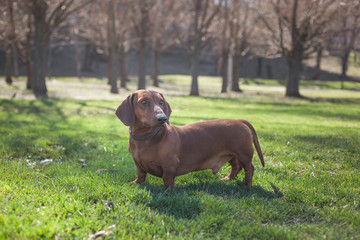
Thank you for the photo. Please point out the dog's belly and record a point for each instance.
(214, 163)
(155, 171)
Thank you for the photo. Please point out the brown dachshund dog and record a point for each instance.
(167, 151)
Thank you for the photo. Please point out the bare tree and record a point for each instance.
(199, 15)
(241, 29)
(47, 16)
(93, 28)
(105, 24)
(123, 37)
(112, 52)
(7, 38)
(317, 68)
(237, 21)
(295, 28)
(16, 33)
(3, 23)
(164, 16)
(21, 25)
(140, 10)
(223, 42)
(98, 27)
(346, 33)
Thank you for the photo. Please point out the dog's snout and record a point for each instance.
(161, 118)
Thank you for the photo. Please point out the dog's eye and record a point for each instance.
(143, 102)
(161, 102)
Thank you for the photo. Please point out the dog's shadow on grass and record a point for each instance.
(236, 190)
(186, 201)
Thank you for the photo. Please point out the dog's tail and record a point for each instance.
(256, 141)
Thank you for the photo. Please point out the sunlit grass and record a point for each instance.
(179, 85)
(51, 152)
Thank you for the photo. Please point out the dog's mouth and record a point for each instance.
(146, 124)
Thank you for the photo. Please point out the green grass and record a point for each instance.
(309, 188)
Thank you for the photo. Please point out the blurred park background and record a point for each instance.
(130, 43)
(290, 67)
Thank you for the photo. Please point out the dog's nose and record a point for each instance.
(161, 118)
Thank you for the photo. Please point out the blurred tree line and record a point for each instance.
(293, 29)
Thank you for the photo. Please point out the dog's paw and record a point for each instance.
(226, 179)
(134, 182)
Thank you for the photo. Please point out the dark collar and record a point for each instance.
(145, 137)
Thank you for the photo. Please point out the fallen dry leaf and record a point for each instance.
(109, 205)
(100, 234)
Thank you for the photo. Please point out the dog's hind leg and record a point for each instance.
(249, 172)
(235, 169)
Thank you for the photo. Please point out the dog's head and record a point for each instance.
(146, 107)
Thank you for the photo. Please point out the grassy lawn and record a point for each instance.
(65, 167)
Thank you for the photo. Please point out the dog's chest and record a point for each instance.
(148, 158)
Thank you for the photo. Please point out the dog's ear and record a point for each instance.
(167, 108)
(125, 111)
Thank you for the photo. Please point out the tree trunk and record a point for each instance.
(259, 67)
(294, 61)
(28, 63)
(230, 65)
(122, 61)
(195, 73)
(344, 67)
(87, 58)
(318, 64)
(8, 66)
(355, 58)
(292, 80)
(112, 73)
(235, 76)
(269, 71)
(78, 61)
(142, 67)
(48, 62)
(155, 76)
(41, 45)
(142, 33)
(224, 75)
(15, 62)
(29, 74)
(225, 48)
(195, 53)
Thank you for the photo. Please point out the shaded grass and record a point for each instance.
(309, 188)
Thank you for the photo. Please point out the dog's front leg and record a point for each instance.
(169, 181)
(141, 175)
(169, 173)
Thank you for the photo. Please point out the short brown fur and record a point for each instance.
(175, 151)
